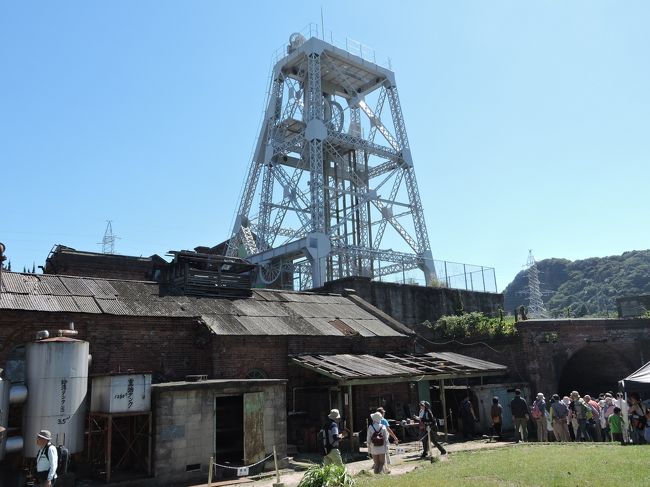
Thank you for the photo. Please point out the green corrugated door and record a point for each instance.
(253, 427)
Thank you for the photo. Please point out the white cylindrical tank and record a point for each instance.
(57, 380)
(5, 387)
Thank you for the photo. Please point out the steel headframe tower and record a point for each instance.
(536, 307)
(326, 186)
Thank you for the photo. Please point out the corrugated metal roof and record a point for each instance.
(19, 283)
(368, 369)
(54, 285)
(266, 312)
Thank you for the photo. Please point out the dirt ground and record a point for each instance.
(400, 464)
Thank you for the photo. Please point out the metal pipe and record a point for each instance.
(68, 333)
(14, 444)
(42, 335)
(18, 394)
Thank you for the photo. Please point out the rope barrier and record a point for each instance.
(267, 458)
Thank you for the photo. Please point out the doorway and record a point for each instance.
(229, 430)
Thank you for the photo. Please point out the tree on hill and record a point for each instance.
(588, 286)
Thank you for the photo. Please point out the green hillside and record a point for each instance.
(584, 287)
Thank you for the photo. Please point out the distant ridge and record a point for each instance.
(584, 287)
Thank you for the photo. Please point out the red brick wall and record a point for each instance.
(235, 356)
(170, 349)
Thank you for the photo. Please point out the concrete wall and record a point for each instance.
(184, 424)
(412, 305)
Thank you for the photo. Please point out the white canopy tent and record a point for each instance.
(637, 381)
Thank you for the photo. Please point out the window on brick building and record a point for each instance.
(257, 374)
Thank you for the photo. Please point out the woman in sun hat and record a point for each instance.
(377, 439)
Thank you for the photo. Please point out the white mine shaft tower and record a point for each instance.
(329, 174)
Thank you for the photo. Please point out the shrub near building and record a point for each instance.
(473, 325)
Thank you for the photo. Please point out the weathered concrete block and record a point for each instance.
(172, 432)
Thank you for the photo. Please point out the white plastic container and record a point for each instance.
(121, 393)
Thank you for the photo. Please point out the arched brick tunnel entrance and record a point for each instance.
(593, 369)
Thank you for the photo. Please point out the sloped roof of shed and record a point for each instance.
(266, 312)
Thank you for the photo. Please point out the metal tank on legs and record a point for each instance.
(57, 379)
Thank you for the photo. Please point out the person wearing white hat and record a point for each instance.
(46, 460)
(332, 437)
(377, 439)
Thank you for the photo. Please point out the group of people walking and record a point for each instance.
(378, 437)
(577, 418)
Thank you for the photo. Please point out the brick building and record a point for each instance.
(330, 350)
(71, 262)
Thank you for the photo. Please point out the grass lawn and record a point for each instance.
(575, 464)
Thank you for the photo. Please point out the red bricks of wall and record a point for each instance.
(236, 356)
(170, 349)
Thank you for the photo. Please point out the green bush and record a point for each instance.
(474, 325)
(326, 476)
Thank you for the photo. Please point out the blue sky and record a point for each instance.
(527, 120)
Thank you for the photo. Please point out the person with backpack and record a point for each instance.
(520, 416)
(391, 433)
(581, 411)
(377, 439)
(593, 419)
(559, 412)
(539, 414)
(47, 460)
(330, 437)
